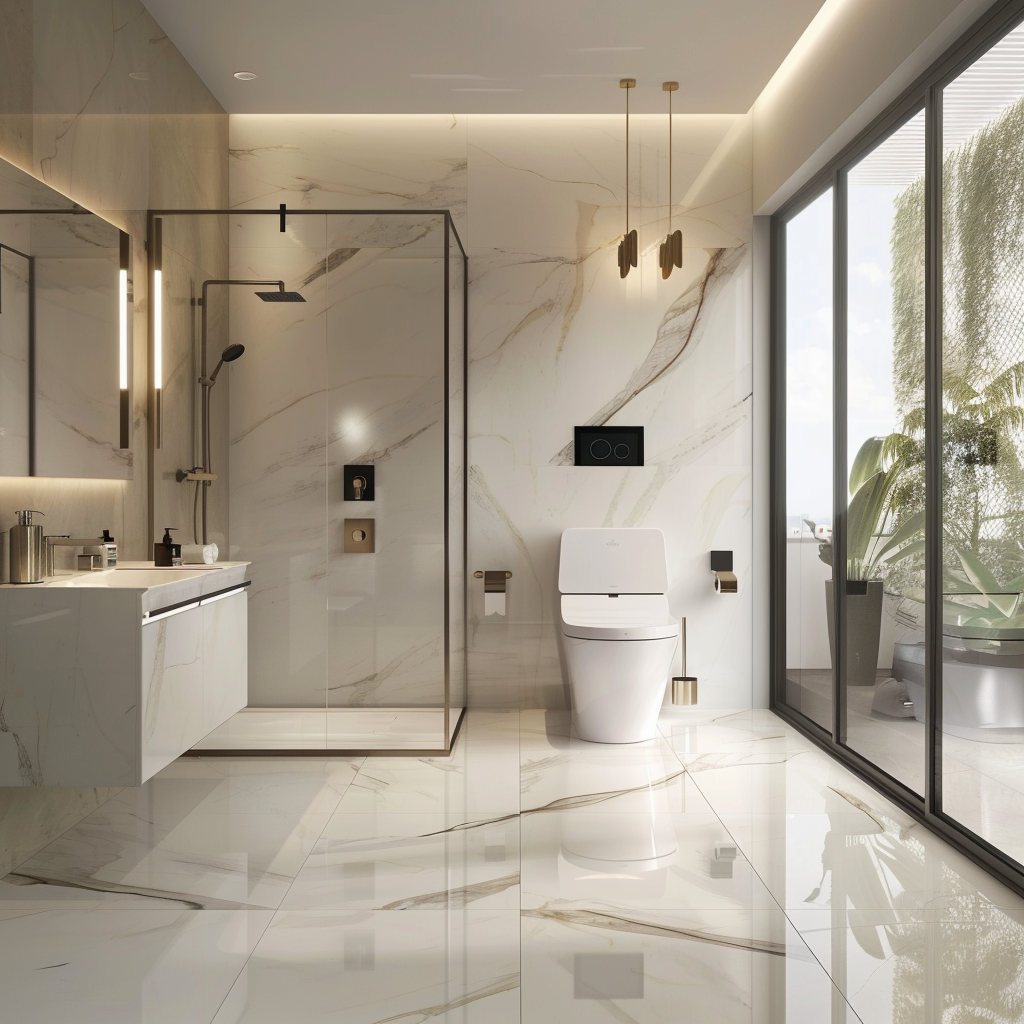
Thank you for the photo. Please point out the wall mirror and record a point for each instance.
(65, 336)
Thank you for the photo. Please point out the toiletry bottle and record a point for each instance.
(26, 561)
(166, 552)
(111, 550)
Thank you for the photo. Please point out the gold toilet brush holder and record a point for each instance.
(684, 687)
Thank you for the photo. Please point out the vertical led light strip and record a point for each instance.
(122, 339)
(158, 330)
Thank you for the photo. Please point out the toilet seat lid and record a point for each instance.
(626, 617)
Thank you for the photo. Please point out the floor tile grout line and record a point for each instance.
(274, 912)
(774, 898)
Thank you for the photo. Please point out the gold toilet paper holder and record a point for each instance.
(725, 578)
(494, 580)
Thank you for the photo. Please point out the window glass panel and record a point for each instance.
(884, 671)
(808, 332)
(983, 446)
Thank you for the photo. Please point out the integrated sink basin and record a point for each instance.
(159, 586)
(137, 579)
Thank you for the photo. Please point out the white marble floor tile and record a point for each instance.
(608, 861)
(798, 782)
(410, 862)
(154, 966)
(721, 872)
(869, 862)
(201, 861)
(229, 786)
(690, 733)
(441, 786)
(544, 733)
(616, 783)
(964, 969)
(990, 807)
(655, 966)
(370, 967)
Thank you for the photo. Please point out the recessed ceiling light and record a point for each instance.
(139, 76)
(485, 90)
(244, 76)
(606, 49)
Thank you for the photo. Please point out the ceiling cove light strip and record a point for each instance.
(629, 246)
(671, 252)
(124, 308)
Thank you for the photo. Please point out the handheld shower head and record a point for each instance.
(229, 355)
(281, 296)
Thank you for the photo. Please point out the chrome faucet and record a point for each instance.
(64, 540)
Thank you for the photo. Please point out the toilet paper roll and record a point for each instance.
(199, 554)
(494, 604)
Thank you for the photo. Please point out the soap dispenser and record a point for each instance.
(26, 559)
(166, 552)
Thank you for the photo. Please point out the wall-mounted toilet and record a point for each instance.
(618, 635)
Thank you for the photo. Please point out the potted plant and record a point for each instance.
(877, 537)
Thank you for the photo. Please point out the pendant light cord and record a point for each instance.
(627, 161)
(670, 162)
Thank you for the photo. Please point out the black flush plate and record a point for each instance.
(348, 481)
(609, 446)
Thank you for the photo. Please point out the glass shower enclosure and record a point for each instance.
(339, 441)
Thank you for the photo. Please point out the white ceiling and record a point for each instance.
(479, 56)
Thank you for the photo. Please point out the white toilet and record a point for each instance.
(618, 635)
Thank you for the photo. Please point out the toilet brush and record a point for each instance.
(684, 687)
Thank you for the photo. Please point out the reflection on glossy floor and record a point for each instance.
(724, 872)
(983, 770)
(332, 729)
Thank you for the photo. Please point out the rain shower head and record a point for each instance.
(280, 296)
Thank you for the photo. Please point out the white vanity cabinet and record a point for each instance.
(105, 684)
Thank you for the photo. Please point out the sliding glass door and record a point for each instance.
(898, 398)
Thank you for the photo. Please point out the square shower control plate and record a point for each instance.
(609, 446)
(359, 537)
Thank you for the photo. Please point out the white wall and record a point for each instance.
(557, 339)
(855, 58)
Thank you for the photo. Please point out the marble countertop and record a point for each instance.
(158, 586)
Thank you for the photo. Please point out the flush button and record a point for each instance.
(608, 446)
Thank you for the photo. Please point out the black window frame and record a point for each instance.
(925, 93)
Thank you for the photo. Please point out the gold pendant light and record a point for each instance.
(671, 251)
(629, 246)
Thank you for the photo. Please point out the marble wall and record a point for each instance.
(72, 115)
(557, 339)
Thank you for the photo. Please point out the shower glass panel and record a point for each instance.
(458, 570)
(357, 603)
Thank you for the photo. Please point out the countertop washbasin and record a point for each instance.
(129, 578)
(158, 586)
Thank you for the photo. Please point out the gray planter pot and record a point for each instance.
(863, 627)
